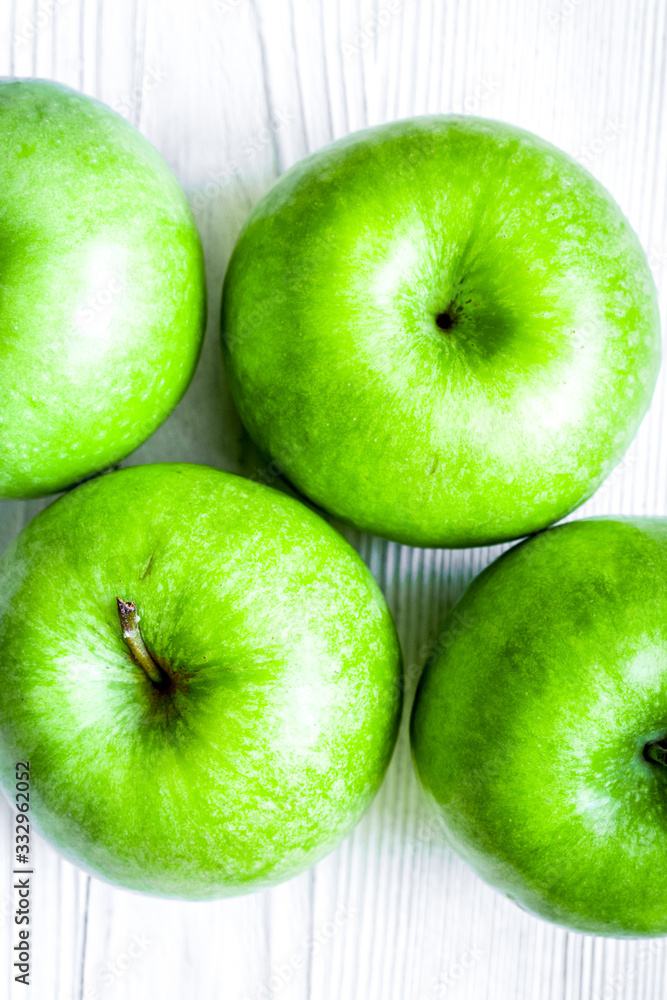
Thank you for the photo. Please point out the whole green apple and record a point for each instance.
(203, 675)
(442, 329)
(102, 289)
(540, 725)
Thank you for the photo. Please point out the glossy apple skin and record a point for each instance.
(531, 719)
(284, 668)
(102, 288)
(480, 433)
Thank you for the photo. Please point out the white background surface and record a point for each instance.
(233, 92)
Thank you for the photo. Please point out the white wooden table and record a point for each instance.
(232, 92)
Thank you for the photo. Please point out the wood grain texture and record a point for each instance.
(232, 92)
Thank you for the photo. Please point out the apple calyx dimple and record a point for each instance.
(656, 752)
(129, 622)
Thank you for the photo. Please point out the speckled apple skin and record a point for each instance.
(102, 288)
(529, 728)
(480, 433)
(284, 668)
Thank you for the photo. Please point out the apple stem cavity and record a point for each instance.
(129, 622)
(445, 320)
(656, 752)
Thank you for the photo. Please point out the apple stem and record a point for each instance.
(129, 622)
(656, 752)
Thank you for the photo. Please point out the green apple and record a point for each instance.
(102, 288)
(539, 728)
(203, 675)
(442, 329)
